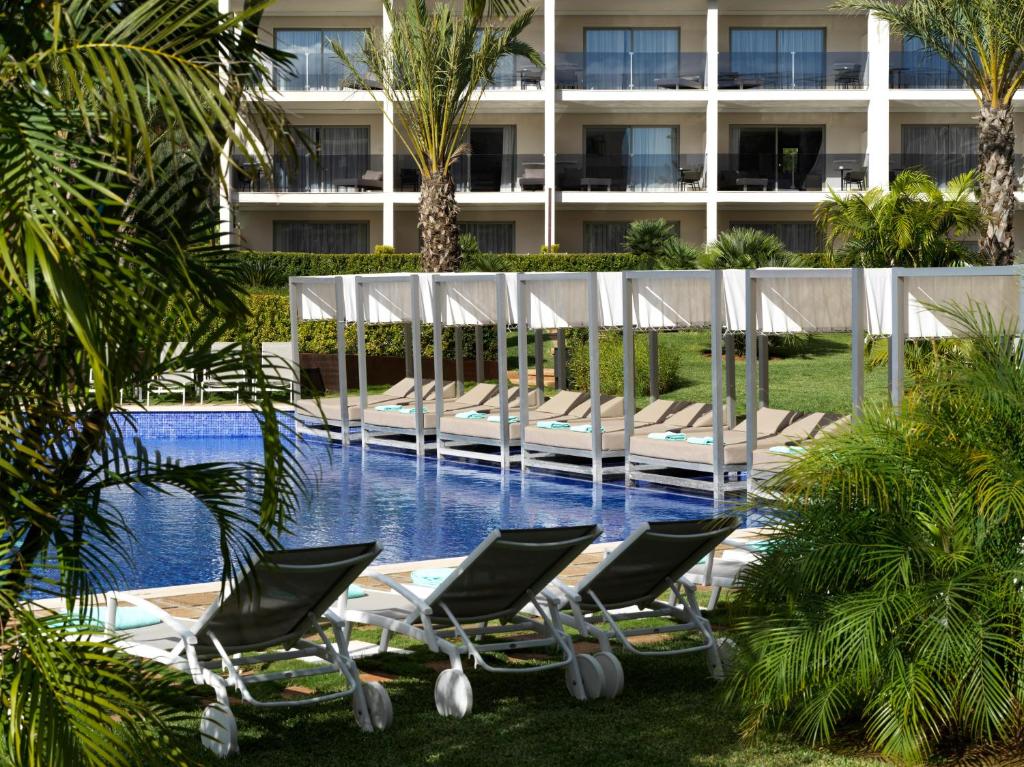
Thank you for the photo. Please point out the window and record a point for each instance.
(492, 236)
(763, 158)
(777, 57)
(797, 236)
(316, 65)
(327, 158)
(609, 236)
(921, 67)
(941, 151)
(322, 236)
(630, 58)
(620, 158)
(490, 165)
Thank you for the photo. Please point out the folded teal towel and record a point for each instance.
(411, 410)
(586, 428)
(497, 419)
(124, 619)
(355, 592)
(701, 440)
(669, 436)
(471, 415)
(787, 449)
(553, 425)
(431, 577)
(388, 408)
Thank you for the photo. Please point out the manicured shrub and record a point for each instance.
(610, 363)
(647, 239)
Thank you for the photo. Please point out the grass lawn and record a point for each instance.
(670, 713)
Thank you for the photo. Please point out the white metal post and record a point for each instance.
(500, 288)
(417, 363)
(628, 368)
(596, 440)
(361, 353)
(711, 124)
(438, 294)
(751, 338)
(339, 319)
(550, 70)
(295, 307)
(898, 343)
(718, 448)
(857, 340)
(524, 384)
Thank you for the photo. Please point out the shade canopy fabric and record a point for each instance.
(669, 300)
(560, 299)
(469, 300)
(792, 302)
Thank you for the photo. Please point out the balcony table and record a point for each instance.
(746, 183)
(590, 183)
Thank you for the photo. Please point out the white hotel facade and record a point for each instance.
(709, 114)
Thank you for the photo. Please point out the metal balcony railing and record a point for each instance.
(312, 173)
(791, 172)
(481, 173)
(630, 173)
(738, 70)
(922, 69)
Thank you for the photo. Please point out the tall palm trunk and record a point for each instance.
(998, 182)
(439, 224)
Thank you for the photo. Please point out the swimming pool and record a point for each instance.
(416, 509)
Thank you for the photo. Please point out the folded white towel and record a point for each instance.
(586, 428)
(668, 436)
(553, 425)
(472, 415)
(388, 408)
(497, 419)
(701, 440)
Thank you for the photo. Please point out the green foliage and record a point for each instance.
(744, 248)
(552, 248)
(648, 239)
(890, 596)
(610, 362)
(679, 255)
(383, 250)
(910, 225)
(469, 245)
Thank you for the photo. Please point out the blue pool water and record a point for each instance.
(416, 509)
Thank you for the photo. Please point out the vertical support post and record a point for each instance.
(417, 363)
(730, 379)
(628, 369)
(501, 321)
(460, 363)
(478, 342)
(561, 361)
(538, 359)
(718, 448)
(550, 70)
(596, 438)
(407, 344)
(524, 364)
(857, 341)
(361, 354)
(339, 320)
(438, 294)
(652, 363)
(295, 310)
(898, 342)
(711, 123)
(388, 155)
(762, 371)
(878, 102)
(751, 334)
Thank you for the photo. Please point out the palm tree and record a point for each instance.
(744, 248)
(889, 597)
(432, 70)
(983, 40)
(112, 119)
(911, 224)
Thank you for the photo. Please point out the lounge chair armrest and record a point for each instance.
(166, 618)
(400, 588)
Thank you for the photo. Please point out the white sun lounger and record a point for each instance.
(628, 585)
(486, 596)
(275, 604)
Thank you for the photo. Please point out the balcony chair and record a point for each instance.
(370, 181)
(854, 177)
(530, 76)
(691, 178)
(680, 82)
(532, 178)
(735, 81)
(847, 75)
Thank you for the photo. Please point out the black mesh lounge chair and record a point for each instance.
(506, 573)
(277, 602)
(651, 561)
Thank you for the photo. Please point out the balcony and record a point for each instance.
(796, 172)
(481, 172)
(922, 69)
(313, 174)
(630, 173)
(792, 70)
(630, 71)
(941, 167)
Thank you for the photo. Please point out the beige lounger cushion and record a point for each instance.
(484, 429)
(471, 400)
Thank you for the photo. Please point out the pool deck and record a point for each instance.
(190, 600)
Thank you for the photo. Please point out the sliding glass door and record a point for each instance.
(322, 236)
(618, 59)
(315, 65)
(326, 158)
(777, 158)
(635, 158)
(941, 151)
(490, 164)
(778, 57)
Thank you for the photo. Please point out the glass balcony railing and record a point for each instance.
(792, 70)
(922, 69)
(308, 173)
(301, 79)
(517, 72)
(941, 167)
(630, 71)
(630, 173)
(809, 172)
(481, 173)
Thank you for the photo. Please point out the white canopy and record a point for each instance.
(674, 299)
(792, 300)
(559, 299)
(472, 299)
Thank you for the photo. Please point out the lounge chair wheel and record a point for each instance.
(218, 730)
(379, 702)
(592, 676)
(453, 694)
(614, 678)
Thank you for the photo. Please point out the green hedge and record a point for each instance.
(265, 269)
(610, 363)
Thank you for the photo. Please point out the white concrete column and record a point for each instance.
(550, 195)
(388, 157)
(878, 102)
(711, 124)
(226, 227)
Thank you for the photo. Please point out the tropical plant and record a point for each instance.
(648, 238)
(113, 119)
(983, 40)
(469, 245)
(744, 248)
(889, 596)
(911, 224)
(679, 255)
(432, 68)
